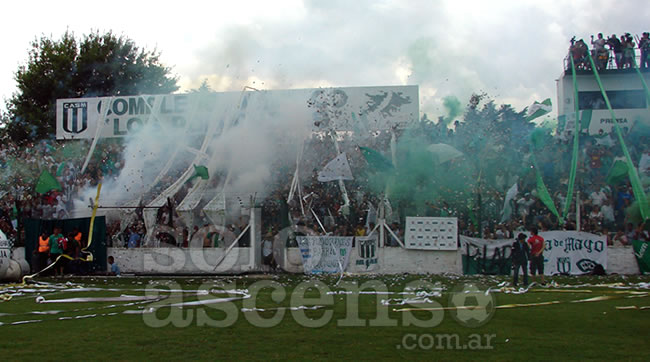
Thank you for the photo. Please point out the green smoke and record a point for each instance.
(453, 107)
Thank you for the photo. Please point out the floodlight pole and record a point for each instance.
(382, 222)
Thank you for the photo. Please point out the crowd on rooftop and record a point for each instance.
(612, 52)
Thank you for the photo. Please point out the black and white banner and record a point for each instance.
(565, 252)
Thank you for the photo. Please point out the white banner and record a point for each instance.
(573, 252)
(337, 169)
(565, 252)
(367, 251)
(5, 254)
(431, 233)
(324, 254)
(352, 108)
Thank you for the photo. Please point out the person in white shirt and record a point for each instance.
(598, 197)
(607, 212)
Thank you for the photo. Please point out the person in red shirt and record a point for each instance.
(536, 254)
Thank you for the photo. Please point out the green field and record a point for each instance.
(347, 325)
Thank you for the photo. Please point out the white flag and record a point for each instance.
(506, 213)
(337, 169)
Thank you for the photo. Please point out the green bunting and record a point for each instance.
(639, 193)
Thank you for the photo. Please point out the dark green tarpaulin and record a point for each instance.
(34, 227)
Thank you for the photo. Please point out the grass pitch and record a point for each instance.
(351, 320)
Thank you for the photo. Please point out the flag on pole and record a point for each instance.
(544, 196)
(538, 109)
(46, 183)
(200, 171)
(337, 169)
(376, 160)
(618, 172)
(60, 169)
(507, 204)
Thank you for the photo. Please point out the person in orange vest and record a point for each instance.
(77, 236)
(43, 249)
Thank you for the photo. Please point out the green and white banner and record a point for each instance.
(642, 253)
(324, 254)
(565, 252)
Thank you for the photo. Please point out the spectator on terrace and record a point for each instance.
(616, 47)
(644, 45)
(630, 232)
(114, 269)
(578, 51)
(523, 206)
(619, 238)
(360, 230)
(607, 211)
(599, 53)
(641, 233)
(186, 238)
(134, 238)
(628, 50)
(623, 201)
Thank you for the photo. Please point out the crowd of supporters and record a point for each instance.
(613, 52)
(497, 150)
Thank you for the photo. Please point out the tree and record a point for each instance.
(97, 65)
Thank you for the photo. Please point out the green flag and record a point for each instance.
(585, 119)
(376, 160)
(544, 196)
(200, 171)
(542, 191)
(46, 183)
(617, 173)
(538, 109)
(642, 255)
(59, 170)
(538, 138)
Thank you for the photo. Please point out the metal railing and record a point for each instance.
(605, 60)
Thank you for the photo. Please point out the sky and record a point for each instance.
(511, 50)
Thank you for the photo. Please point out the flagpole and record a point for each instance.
(346, 199)
(578, 210)
(382, 221)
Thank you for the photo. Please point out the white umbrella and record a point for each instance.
(444, 152)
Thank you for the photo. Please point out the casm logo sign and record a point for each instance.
(564, 265)
(367, 253)
(75, 117)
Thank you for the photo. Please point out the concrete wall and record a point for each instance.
(398, 260)
(622, 261)
(391, 260)
(184, 261)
